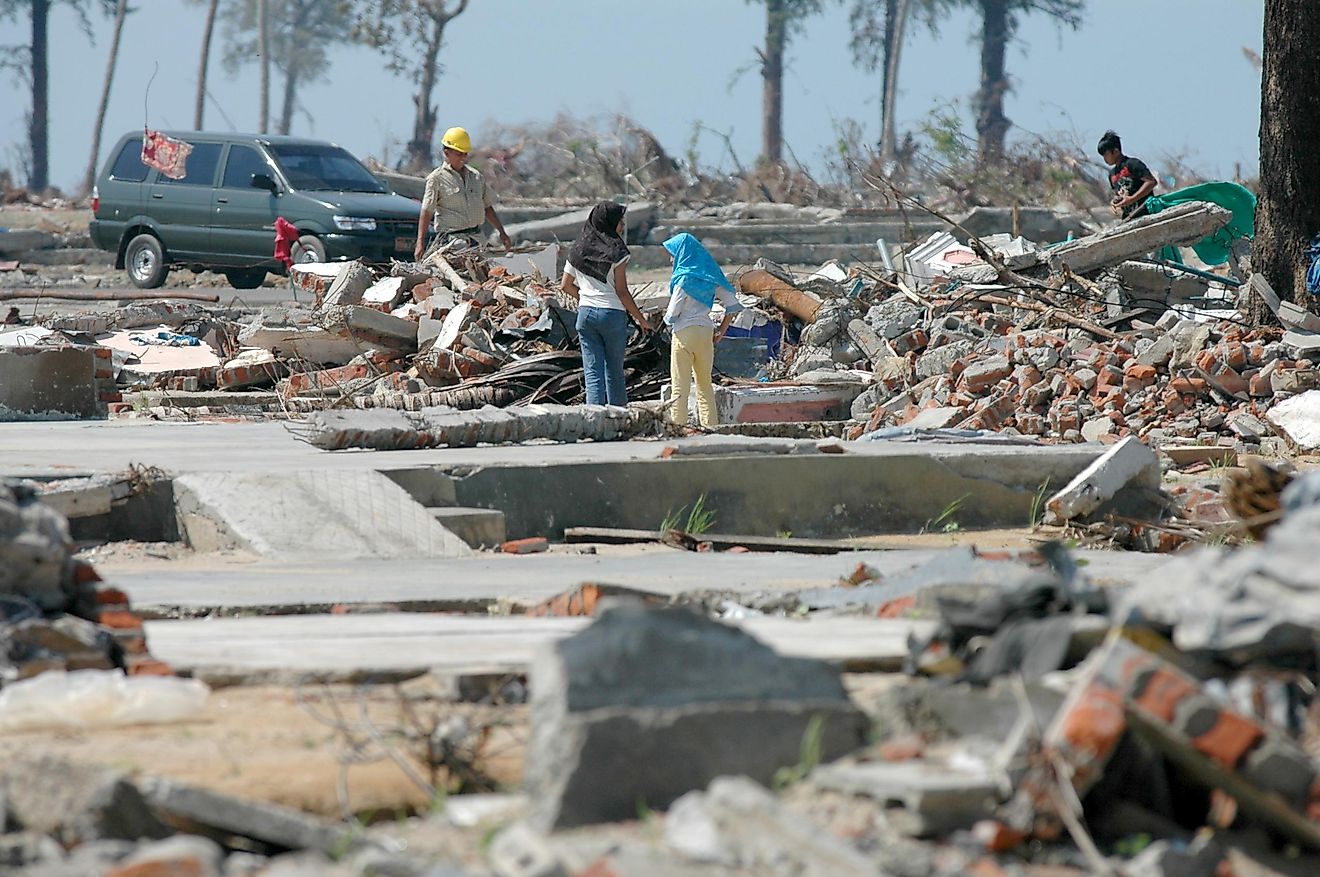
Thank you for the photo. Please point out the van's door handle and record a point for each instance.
(157, 195)
(222, 200)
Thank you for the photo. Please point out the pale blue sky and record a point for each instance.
(1169, 75)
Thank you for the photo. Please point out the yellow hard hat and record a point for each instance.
(458, 140)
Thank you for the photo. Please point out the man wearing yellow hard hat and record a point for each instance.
(457, 196)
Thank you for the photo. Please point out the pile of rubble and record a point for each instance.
(55, 612)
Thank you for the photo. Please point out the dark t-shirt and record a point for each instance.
(1125, 178)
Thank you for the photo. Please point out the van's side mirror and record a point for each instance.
(264, 181)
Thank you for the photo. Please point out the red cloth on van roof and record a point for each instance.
(165, 154)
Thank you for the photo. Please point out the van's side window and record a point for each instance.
(243, 162)
(128, 166)
(201, 166)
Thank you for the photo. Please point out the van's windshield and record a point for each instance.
(323, 169)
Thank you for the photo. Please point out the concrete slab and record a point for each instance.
(358, 645)
(48, 383)
(870, 488)
(309, 514)
(486, 579)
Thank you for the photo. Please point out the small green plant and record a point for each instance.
(809, 755)
(644, 812)
(696, 522)
(1038, 505)
(784, 534)
(944, 521)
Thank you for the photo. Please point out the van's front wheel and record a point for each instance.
(308, 248)
(245, 278)
(145, 260)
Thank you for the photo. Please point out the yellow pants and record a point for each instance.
(692, 354)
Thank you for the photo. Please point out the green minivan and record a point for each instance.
(221, 215)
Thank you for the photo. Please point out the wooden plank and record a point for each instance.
(618, 536)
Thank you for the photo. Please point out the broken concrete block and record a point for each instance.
(1129, 462)
(873, 346)
(1261, 287)
(1181, 225)
(1295, 316)
(645, 705)
(349, 285)
(376, 429)
(48, 383)
(1301, 342)
(269, 823)
(518, 851)
(935, 798)
(1298, 419)
(937, 418)
(370, 327)
(76, 802)
(739, 824)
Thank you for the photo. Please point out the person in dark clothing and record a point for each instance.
(1129, 178)
(596, 276)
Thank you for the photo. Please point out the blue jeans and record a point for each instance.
(603, 333)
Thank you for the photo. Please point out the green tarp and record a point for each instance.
(1214, 249)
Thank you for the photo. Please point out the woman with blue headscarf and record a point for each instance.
(695, 285)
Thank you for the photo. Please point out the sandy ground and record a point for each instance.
(259, 743)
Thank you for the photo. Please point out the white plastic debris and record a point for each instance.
(98, 698)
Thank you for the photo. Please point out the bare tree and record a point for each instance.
(783, 20)
(411, 34)
(208, 33)
(878, 29)
(1288, 214)
(37, 74)
(999, 24)
(263, 50)
(299, 33)
(121, 10)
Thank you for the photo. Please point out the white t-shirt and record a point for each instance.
(593, 293)
(685, 311)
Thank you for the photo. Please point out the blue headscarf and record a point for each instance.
(695, 269)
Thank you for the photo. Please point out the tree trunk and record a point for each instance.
(290, 99)
(772, 84)
(1288, 215)
(38, 132)
(263, 43)
(121, 9)
(420, 155)
(207, 33)
(895, 28)
(991, 123)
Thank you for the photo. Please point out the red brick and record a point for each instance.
(1161, 691)
(526, 546)
(1229, 738)
(997, 837)
(329, 377)
(1235, 354)
(905, 747)
(179, 866)
(108, 596)
(118, 619)
(147, 666)
(1143, 373)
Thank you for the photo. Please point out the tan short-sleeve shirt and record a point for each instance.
(458, 200)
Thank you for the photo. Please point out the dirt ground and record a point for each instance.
(276, 744)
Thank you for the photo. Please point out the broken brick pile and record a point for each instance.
(1182, 380)
(55, 611)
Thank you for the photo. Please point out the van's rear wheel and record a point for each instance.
(145, 260)
(245, 278)
(308, 248)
